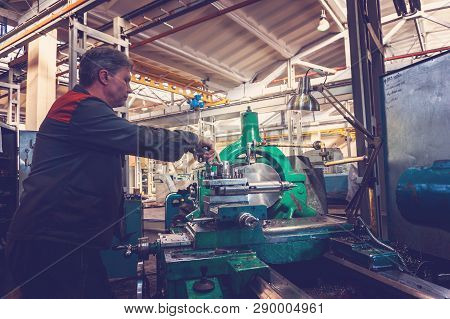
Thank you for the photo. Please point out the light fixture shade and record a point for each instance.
(324, 25)
(303, 100)
(307, 102)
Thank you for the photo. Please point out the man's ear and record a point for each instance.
(103, 76)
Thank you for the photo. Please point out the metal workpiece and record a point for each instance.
(226, 199)
(306, 225)
(250, 154)
(255, 188)
(248, 220)
(174, 240)
(260, 173)
(317, 145)
(346, 161)
(227, 170)
(144, 248)
(224, 182)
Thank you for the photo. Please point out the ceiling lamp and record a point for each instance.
(303, 99)
(324, 25)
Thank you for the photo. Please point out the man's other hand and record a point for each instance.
(205, 149)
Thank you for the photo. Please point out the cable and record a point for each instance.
(377, 241)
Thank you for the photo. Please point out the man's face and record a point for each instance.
(118, 87)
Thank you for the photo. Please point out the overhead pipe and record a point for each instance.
(128, 16)
(135, 13)
(30, 32)
(33, 19)
(173, 14)
(195, 22)
(410, 55)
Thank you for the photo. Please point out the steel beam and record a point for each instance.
(420, 34)
(195, 22)
(367, 67)
(393, 31)
(406, 283)
(252, 26)
(315, 66)
(44, 25)
(436, 20)
(167, 86)
(192, 58)
(170, 16)
(277, 287)
(340, 8)
(275, 102)
(435, 6)
(274, 74)
(10, 15)
(333, 15)
(319, 46)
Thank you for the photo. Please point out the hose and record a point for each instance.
(377, 241)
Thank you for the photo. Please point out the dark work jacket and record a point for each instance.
(74, 189)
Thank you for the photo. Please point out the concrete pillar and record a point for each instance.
(41, 79)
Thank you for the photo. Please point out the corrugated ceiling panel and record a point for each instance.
(292, 23)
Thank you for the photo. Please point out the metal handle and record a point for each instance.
(346, 160)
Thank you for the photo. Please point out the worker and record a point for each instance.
(72, 197)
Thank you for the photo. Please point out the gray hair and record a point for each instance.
(99, 58)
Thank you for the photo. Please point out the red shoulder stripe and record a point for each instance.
(63, 108)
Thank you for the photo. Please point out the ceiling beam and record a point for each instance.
(47, 22)
(274, 74)
(10, 15)
(340, 8)
(436, 20)
(393, 31)
(315, 66)
(254, 28)
(194, 22)
(435, 6)
(420, 34)
(319, 46)
(333, 15)
(202, 62)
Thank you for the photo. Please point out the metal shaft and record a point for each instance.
(346, 160)
(254, 188)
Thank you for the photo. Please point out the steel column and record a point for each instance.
(367, 66)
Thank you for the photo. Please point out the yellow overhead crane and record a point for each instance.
(177, 88)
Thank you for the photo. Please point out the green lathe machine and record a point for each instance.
(250, 210)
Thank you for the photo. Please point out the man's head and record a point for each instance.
(105, 72)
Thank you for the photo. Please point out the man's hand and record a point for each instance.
(204, 149)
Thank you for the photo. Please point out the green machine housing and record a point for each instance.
(250, 210)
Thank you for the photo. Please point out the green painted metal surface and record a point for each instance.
(289, 231)
(304, 238)
(216, 293)
(243, 269)
(172, 205)
(423, 194)
(231, 212)
(364, 253)
(211, 236)
(229, 269)
(116, 265)
(293, 202)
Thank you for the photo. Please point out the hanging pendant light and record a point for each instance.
(324, 25)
